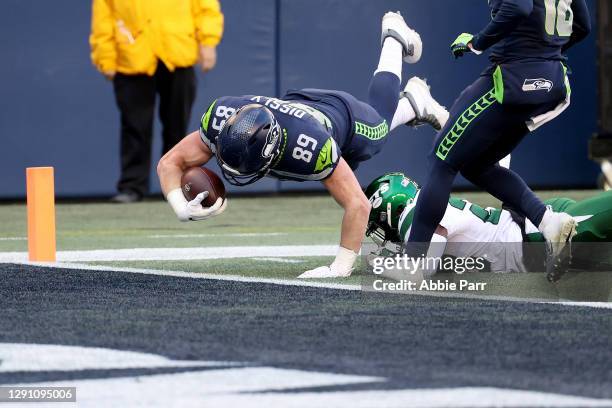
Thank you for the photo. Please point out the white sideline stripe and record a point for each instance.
(232, 235)
(279, 260)
(304, 283)
(196, 275)
(181, 254)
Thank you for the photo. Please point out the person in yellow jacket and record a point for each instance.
(149, 48)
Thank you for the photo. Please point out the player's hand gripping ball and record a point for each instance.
(198, 180)
(205, 192)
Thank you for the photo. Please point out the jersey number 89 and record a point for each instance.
(559, 17)
(304, 152)
(223, 112)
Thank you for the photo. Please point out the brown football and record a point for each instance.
(198, 179)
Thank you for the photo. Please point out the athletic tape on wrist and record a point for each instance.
(345, 259)
(178, 202)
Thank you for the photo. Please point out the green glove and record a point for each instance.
(460, 46)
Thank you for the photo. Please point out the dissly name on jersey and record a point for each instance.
(281, 106)
(295, 109)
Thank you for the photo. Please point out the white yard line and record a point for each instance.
(279, 260)
(197, 275)
(180, 254)
(232, 235)
(13, 239)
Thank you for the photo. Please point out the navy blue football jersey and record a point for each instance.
(308, 149)
(533, 29)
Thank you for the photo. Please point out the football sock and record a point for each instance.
(432, 202)
(391, 58)
(404, 113)
(383, 94)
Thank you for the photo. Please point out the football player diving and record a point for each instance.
(309, 134)
(473, 231)
(525, 87)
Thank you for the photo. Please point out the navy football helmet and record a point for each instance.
(248, 144)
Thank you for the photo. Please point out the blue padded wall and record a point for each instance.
(57, 110)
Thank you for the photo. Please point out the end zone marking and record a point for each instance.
(304, 283)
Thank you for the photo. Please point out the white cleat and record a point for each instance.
(426, 108)
(558, 230)
(394, 26)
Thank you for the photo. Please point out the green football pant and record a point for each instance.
(594, 215)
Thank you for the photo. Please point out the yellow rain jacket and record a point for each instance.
(129, 36)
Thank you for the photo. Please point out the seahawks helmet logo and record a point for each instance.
(539, 84)
(271, 141)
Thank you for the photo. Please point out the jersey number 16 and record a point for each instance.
(559, 17)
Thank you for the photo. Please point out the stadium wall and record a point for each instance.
(57, 110)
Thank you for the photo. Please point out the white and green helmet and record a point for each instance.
(389, 195)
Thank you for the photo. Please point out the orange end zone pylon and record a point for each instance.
(41, 214)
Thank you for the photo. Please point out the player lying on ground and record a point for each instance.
(310, 134)
(473, 231)
(525, 87)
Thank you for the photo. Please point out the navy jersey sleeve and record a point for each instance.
(311, 156)
(505, 20)
(582, 23)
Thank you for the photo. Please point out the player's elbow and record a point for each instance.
(162, 165)
(168, 161)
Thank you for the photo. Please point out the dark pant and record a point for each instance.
(479, 133)
(135, 96)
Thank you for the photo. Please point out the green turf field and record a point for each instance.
(131, 286)
(248, 222)
(151, 224)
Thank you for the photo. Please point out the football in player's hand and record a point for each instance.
(199, 179)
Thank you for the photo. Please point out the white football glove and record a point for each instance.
(342, 266)
(323, 272)
(193, 210)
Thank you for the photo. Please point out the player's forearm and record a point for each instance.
(507, 18)
(189, 152)
(354, 224)
(170, 173)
